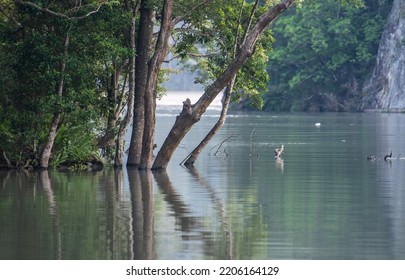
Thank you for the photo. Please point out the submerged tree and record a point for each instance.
(150, 57)
(143, 49)
(240, 30)
(146, 93)
(192, 113)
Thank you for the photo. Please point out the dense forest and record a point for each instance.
(74, 76)
(323, 55)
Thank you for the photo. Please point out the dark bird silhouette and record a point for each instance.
(388, 156)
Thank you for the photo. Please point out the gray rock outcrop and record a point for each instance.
(386, 89)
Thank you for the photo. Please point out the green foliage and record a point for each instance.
(252, 79)
(356, 3)
(31, 56)
(74, 144)
(323, 54)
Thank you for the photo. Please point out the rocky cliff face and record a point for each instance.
(386, 88)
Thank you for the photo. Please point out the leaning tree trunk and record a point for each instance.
(192, 113)
(192, 157)
(53, 131)
(385, 90)
(143, 48)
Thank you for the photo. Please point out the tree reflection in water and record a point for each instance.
(140, 183)
(47, 187)
(220, 209)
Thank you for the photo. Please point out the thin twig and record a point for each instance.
(251, 140)
(220, 145)
(189, 153)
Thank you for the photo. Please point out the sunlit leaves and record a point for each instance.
(356, 3)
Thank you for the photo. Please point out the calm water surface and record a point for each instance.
(323, 200)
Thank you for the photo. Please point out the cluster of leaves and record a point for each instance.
(323, 54)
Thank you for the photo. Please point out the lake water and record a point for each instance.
(323, 200)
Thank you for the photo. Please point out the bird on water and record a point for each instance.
(278, 152)
(388, 157)
(372, 157)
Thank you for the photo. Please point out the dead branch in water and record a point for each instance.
(251, 141)
(218, 146)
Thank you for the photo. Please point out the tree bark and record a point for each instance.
(53, 131)
(192, 113)
(150, 95)
(143, 48)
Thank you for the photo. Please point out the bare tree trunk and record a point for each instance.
(192, 157)
(53, 131)
(150, 95)
(130, 104)
(143, 46)
(192, 113)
